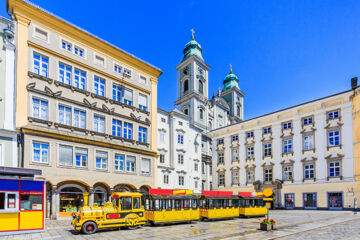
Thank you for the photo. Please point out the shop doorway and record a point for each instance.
(310, 200)
(335, 200)
(71, 199)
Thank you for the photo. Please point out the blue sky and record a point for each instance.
(284, 52)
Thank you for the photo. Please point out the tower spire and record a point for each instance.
(192, 33)
(230, 68)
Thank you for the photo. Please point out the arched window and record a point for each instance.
(201, 113)
(186, 111)
(201, 87)
(238, 110)
(186, 86)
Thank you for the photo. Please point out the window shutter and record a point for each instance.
(66, 155)
(128, 94)
(142, 100)
(145, 166)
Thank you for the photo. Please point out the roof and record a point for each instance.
(20, 172)
(83, 30)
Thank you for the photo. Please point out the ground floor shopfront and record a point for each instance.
(66, 197)
(310, 195)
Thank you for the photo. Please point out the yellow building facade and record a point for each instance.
(308, 154)
(86, 111)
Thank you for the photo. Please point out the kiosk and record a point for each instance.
(22, 201)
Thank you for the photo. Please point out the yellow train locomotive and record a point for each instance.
(164, 206)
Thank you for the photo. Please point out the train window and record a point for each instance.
(136, 203)
(194, 203)
(212, 203)
(169, 204)
(115, 202)
(235, 202)
(177, 204)
(156, 204)
(186, 204)
(147, 204)
(218, 203)
(247, 203)
(252, 202)
(230, 203)
(126, 203)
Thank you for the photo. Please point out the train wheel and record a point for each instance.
(89, 228)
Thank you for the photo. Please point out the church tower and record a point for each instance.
(234, 97)
(193, 84)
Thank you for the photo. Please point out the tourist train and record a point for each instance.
(164, 206)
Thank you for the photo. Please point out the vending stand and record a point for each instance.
(22, 202)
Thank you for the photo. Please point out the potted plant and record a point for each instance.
(265, 225)
(273, 224)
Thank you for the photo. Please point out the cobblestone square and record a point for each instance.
(297, 224)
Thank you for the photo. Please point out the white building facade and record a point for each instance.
(304, 153)
(201, 115)
(8, 135)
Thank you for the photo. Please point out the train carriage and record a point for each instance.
(218, 205)
(161, 208)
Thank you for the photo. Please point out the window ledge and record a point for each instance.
(339, 146)
(9, 211)
(40, 164)
(101, 170)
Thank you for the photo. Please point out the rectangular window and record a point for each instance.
(166, 179)
(333, 115)
(127, 130)
(309, 171)
(249, 152)
(40, 64)
(79, 118)
(79, 51)
(143, 80)
(235, 178)
(126, 203)
(266, 130)
(162, 158)
(101, 160)
(116, 128)
(181, 180)
(127, 72)
(287, 146)
(287, 125)
(128, 97)
(234, 138)
(249, 134)
(142, 134)
(117, 68)
(143, 102)
(221, 179)
(65, 115)
(130, 163)
(99, 86)
(196, 167)
(162, 137)
(234, 155)
(99, 60)
(308, 142)
(267, 150)
(307, 120)
(65, 73)
(119, 162)
(203, 168)
(99, 123)
(221, 158)
(40, 152)
(65, 155)
(180, 139)
(220, 141)
(289, 200)
(65, 45)
(41, 34)
(180, 159)
(267, 175)
(333, 138)
(334, 169)
(31, 202)
(287, 173)
(117, 92)
(80, 79)
(81, 157)
(145, 166)
(40, 108)
(310, 200)
(250, 176)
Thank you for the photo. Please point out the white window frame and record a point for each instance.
(221, 177)
(107, 160)
(72, 157)
(130, 171)
(313, 169)
(35, 34)
(250, 152)
(267, 173)
(221, 156)
(40, 66)
(250, 174)
(286, 146)
(32, 107)
(142, 172)
(82, 110)
(328, 137)
(124, 162)
(101, 116)
(58, 114)
(32, 152)
(96, 61)
(234, 154)
(87, 157)
(308, 145)
(7, 209)
(181, 181)
(99, 85)
(340, 168)
(166, 177)
(180, 159)
(286, 171)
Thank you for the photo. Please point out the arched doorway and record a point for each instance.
(124, 188)
(70, 198)
(100, 195)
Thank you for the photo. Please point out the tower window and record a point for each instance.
(238, 110)
(201, 113)
(201, 87)
(186, 86)
(186, 111)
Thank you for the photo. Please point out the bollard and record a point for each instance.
(355, 205)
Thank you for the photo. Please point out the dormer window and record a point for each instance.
(127, 72)
(117, 68)
(79, 51)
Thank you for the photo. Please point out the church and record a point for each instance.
(185, 153)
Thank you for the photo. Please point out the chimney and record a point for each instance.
(354, 82)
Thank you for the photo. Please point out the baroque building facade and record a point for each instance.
(185, 159)
(86, 111)
(8, 135)
(306, 153)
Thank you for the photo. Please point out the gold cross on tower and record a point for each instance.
(192, 33)
(230, 68)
